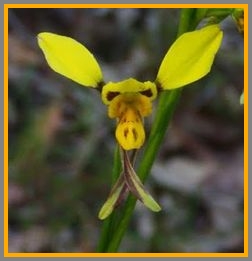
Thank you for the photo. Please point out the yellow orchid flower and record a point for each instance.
(189, 59)
(129, 101)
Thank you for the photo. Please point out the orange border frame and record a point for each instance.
(6, 253)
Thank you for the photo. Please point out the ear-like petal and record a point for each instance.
(190, 57)
(70, 58)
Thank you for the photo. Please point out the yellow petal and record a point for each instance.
(190, 57)
(112, 89)
(70, 58)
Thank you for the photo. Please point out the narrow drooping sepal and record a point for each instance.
(71, 59)
(189, 58)
(136, 187)
(127, 181)
(114, 197)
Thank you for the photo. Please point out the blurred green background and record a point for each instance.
(61, 141)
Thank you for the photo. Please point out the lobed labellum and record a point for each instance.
(130, 133)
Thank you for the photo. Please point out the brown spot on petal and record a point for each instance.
(147, 93)
(111, 95)
(125, 132)
(135, 133)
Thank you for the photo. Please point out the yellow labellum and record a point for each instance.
(129, 109)
(130, 131)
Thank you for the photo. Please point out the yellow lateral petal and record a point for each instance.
(70, 58)
(190, 57)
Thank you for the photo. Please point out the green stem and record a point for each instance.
(186, 18)
(165, 110)
(147, 161)
(108, 223)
